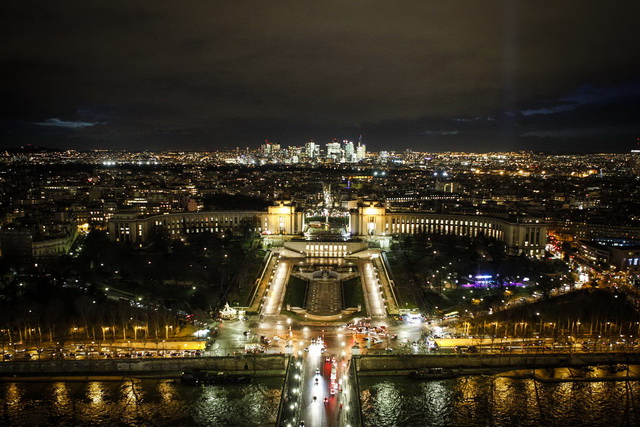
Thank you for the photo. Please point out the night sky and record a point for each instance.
(425, 75)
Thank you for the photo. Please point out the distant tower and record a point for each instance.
(334, 150)
(348, 151)
(361, 150)
(266, 148)
(312, 149)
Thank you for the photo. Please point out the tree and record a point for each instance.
(545, 285)
(54, 311)
(86, 310)
(159, 238)
(247, 227)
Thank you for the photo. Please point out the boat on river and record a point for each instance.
(197, 377)
(433, 374)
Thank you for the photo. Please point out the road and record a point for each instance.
(320, 351)
(325, 377)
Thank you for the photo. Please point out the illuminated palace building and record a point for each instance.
(526, 235)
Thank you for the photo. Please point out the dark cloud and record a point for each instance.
(63, 124)
(411, 74)
(589, 95)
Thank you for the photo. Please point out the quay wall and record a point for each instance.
(274, 364)
(373, 363)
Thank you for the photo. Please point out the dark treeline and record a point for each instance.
(122, 287)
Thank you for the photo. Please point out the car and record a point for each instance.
(326, 400)
(388, 349)
(306, 349)
(317, 371)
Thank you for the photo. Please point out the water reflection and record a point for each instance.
(12, 398)
(95, 393)
(139, 402)
(499, 401)
(61, 399)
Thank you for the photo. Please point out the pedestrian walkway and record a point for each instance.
(324, 297)
(372, 292)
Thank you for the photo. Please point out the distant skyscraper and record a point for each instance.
(334, 151)
(294, 154)
(361, 150)
(312, 150)
(349, 151)
(266, 148)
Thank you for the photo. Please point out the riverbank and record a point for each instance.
(268, 364)
(585, 374)
(163, 376)
(372, 364)
(547, 375)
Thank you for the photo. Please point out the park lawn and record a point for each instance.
(402, 281)
(353, 294)
(296, 292)
(247, 282)
(405, 297)
(400, 274)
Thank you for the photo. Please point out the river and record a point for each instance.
(386, 401)
(142, 402)
(497, 401)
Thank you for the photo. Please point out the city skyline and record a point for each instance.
(300, 280)
(426, 76)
